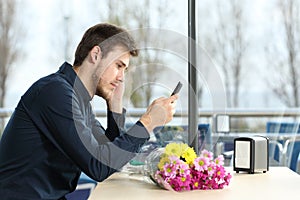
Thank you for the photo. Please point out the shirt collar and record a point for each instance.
(74, 80)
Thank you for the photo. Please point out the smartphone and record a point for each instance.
(177, 88)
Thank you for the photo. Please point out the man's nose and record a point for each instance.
(120, 76)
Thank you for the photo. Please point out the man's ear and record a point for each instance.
(95, 54)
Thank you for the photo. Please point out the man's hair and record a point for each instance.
(106, 36)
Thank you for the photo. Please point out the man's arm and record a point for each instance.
(63, 123)
(115, 125)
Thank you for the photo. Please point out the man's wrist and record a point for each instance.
(147, 122)
(115, 107)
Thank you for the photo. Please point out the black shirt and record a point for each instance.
(53, 135)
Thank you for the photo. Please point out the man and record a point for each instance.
(53, 135)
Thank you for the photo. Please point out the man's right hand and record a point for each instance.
(159, 112)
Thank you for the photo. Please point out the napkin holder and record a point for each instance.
(251, 154)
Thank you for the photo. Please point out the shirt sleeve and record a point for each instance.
(115, 125)
(62, 121)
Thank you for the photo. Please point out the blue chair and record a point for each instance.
(84, 188)
(205, 140)
(174, 133)
(166, 134)
(294, 148)
(298, 164)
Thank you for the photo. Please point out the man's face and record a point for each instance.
(113, 68)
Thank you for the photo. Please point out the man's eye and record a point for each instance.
(119, 66)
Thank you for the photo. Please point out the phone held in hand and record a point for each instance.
(177, 88)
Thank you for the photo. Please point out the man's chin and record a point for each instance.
(105, 95)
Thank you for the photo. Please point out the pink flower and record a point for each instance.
(204, 173)
(227, 178)
(219, 171)
(207, 154)
(169, 170)
(183, 169)
(174, 159)
(219, 160)
(210, 168)
(201, 163)
(195, 184)
(186, 181)
(180, 183)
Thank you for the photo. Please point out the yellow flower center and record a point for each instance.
(201, 163)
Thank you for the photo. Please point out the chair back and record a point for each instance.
(84, 188)
(293, 148)
(179, 133)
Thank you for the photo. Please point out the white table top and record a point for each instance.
(278, 183)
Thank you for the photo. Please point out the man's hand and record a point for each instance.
(115, 100)
(160, 112)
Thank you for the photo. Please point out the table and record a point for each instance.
(278, 183)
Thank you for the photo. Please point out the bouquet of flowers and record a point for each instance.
(180, 169)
